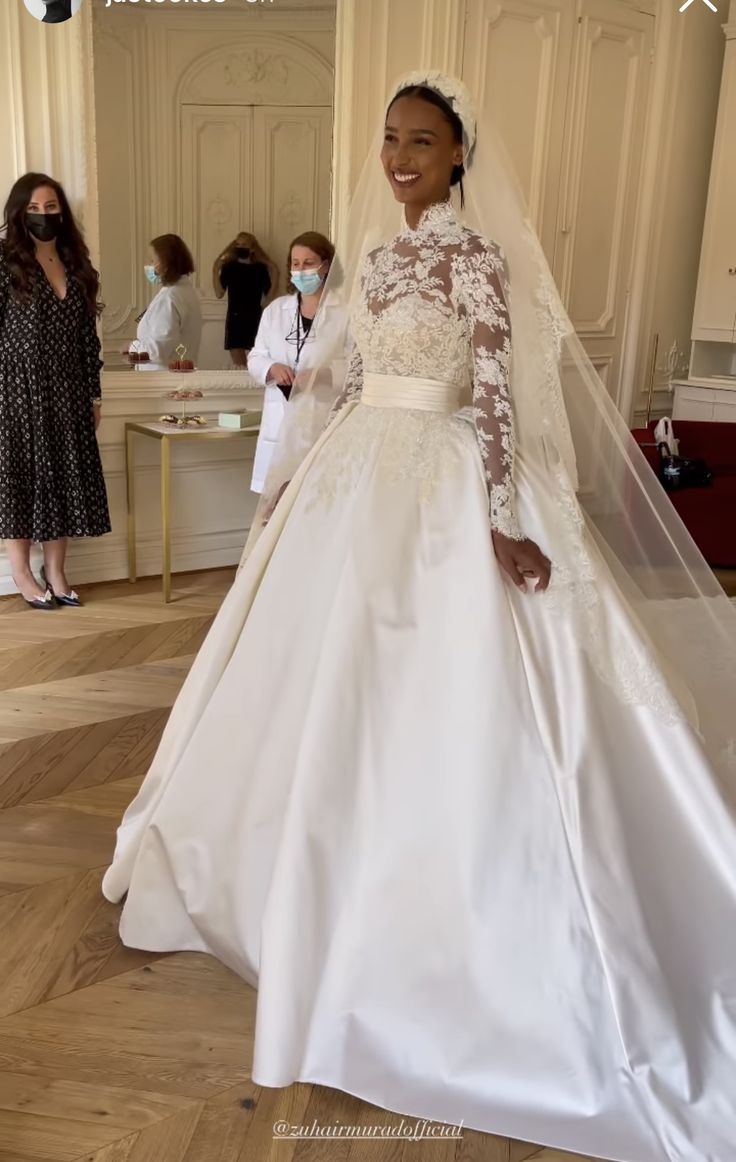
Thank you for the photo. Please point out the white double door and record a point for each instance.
(264, 169)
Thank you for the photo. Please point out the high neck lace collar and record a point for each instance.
(435, 217)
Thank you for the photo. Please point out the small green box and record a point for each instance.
(239, 419)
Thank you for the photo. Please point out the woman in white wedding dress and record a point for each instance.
(481, 865)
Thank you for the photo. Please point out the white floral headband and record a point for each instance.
(455, 94)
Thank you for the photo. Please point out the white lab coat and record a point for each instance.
(173, 319)
(271, 346)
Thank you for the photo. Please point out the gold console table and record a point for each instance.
(166, 434)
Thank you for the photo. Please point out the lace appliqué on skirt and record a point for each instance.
(402, 445)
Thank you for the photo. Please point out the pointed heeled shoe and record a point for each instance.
(45, 602)
(60, 598)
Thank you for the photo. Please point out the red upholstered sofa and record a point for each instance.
(709, 514)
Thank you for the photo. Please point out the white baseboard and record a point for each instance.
(106, 558)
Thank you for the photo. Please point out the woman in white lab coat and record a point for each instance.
(174, 316)
(285, 336)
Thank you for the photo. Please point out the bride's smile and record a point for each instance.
(421, 152)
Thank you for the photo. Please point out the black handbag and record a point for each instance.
(678, 472)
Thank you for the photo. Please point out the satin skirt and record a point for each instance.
(468, 881)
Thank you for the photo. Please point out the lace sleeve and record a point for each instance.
(483, 289)
(353, 384)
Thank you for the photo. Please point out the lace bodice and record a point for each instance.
(433, 305)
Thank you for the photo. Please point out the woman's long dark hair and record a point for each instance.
(432, 97)
(20, 249)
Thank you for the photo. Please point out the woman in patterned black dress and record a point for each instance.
(51, 481)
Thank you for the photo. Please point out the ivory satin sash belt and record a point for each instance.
(405, 391)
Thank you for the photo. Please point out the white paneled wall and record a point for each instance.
(46, 116)
(213, 124)
(567, 83)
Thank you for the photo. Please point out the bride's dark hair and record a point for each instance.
(432, 97)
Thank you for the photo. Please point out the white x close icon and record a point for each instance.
(689, 2)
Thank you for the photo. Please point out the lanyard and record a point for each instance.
(301, 337)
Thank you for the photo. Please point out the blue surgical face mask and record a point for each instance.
(307, 282)
(151, 273)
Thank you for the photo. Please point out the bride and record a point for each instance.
(451, 778)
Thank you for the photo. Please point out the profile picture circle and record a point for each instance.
(53, 11)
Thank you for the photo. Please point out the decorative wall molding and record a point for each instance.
(265, 69)
(525, 45)
(597, 304)
(42, 102)
(233, 16)
(123, 171)
(376, 43)
(171, 85)
(673, 191)
(11, 17)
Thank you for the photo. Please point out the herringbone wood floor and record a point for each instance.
(106, 1054)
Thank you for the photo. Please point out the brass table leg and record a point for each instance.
(166, 515)
(130, 486)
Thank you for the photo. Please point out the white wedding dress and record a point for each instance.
(472, 880)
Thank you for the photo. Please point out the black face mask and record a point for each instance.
(45, 227)
(242, 251)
